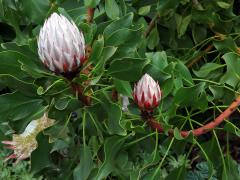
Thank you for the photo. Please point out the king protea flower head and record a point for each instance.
(61, 46)
(24, 144)
(147, 93)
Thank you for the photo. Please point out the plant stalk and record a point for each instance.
(201, 130)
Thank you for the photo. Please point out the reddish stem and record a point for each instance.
(86, 100)
(114, 95)
(150, 26)
(202, 130)
(198, 58)
(90, 13)
(77, 88)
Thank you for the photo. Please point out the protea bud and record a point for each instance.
(61, 45)
(147, 93)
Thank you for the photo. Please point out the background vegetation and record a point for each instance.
(191, 47)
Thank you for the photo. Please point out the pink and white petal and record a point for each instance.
(12, 156)
(10, 147)
(8, 142)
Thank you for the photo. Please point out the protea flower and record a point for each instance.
(24, 144)
(61, 46)
(147, 93)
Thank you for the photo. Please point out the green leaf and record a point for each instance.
(62, 103)
(213, 152)
(232, 76)
(229, 127)
(16, 106)
(123, 22)
(1, 9)
(217, 91)
(23, 49)
(166, 6)
(36, 10)
(123, 7)
(118, 37)
(13, 19)
(123, 87)
(58, 131)
(144, 10)
(112, 147)
(184, 72)
(153, 39)
(114, 118)
(22, 86)
(177, 134)
(112, 9)
(167, 87)
(194, 96)
(128, 69)
(91, 3)
(223, 4)
(40, 157)
(59, 145)
(114, 113)
(9, 64)
(227, 43)
(178, 173)
(158, 62)
(121, 36)
(85, 166)
(206, 69)
(199, 33)
(182, 24)
(231, 169)
(107, 53)
(88, 31)
(52, 89)
(97, 49)
(17, 64)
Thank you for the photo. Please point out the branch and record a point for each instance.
(198, 58)
(202, 130)
(90, 13)
(150, 26)
(217, 36)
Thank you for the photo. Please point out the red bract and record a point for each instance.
(147, 93)
(61, 46)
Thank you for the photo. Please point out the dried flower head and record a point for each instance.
(24, 144)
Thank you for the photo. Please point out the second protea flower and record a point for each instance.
(61, 46)
(147, 93)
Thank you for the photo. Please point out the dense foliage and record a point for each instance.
(19, 172)
(189, 46)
